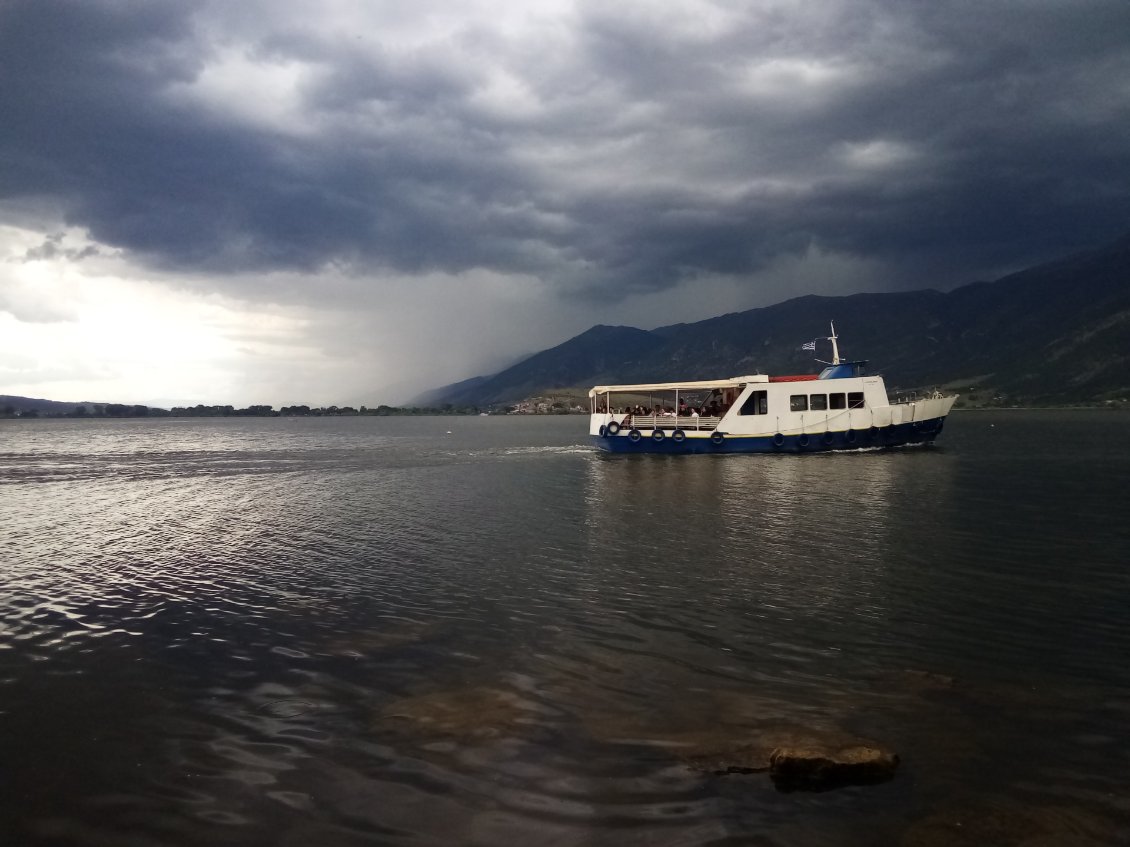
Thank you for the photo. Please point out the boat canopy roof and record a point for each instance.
(732, 382)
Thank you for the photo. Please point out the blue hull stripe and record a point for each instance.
(896, 435)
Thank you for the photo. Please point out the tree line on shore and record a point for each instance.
(121, 410)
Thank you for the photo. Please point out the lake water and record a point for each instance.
(436, 631)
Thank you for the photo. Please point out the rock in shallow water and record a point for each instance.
(819, 768)
(798, 761)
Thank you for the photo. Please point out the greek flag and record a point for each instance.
(811, 345)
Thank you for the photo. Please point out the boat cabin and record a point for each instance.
(754, 404)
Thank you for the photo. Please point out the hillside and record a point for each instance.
(11, 404)
(1054, 333)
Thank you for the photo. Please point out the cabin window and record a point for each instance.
(837, 401)
(855, 400)
(818, 402)
(756, 404)
(798, 403)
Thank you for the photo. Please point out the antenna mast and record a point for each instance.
(835, 346)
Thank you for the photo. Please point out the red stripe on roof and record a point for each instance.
(794, 378)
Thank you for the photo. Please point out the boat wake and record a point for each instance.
(549, 451)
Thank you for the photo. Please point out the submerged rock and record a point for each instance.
(753, 758)
(473, 712)
(819, 768)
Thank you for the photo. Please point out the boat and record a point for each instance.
(840, 408)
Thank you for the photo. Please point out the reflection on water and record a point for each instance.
(787, 537)
(480, 630)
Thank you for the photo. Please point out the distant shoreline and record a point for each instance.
(161, 415)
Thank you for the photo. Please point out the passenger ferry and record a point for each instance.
(841, 408)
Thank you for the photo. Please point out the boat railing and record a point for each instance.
(683, 422)
(913, 395)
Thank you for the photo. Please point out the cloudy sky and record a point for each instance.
(347, 201)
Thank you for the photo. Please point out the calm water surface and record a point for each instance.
(480, 631)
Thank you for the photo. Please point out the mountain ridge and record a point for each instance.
(1057, 332)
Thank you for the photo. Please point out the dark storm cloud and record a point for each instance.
(943, 140)
(1012, 115)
